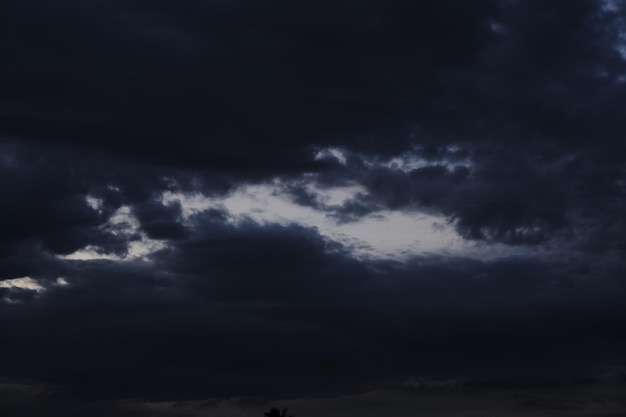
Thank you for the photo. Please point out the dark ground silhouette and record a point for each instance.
(275, 412)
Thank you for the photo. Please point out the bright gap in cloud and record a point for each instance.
(331, 154)
(124, 224)
(24, 283)
(385, 235)
(61, 282)
(29, 284)
(94, 202)
(409, 161)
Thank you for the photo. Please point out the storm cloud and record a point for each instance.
(212, 207)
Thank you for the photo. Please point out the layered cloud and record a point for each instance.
(204, 203)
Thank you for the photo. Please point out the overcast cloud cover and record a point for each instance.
(347, 208)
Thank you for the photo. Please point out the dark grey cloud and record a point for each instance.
(235, 310)
(235, 85)
(507, 116)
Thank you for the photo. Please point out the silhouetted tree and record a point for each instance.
(275, 412)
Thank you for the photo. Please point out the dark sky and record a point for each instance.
(346, 208)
